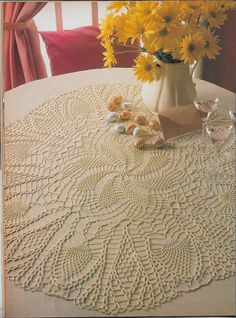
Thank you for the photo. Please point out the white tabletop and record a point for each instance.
(216, 299)
(24, 98)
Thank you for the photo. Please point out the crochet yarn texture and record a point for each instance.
(89, 218)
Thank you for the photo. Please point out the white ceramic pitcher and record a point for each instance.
(174, 87)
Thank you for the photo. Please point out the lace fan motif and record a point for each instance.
(90, 218)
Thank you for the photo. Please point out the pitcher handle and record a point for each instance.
(193, 67)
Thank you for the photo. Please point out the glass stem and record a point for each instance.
(203, 130)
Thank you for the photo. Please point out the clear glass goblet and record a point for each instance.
(206, 108)
(232, 115)
(219, 137)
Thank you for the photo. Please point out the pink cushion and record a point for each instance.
(78, 50)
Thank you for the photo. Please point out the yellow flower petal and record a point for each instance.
(117, 6)
(138, 27)
(109, 56)
(146, 68)
(107, 26)
(213, 13)
(192, 47)
(211, 49)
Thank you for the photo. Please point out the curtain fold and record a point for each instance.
(23, 61)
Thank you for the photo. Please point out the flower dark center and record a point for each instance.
(191, 47)
(207, 44)
(148, 67)
(213, 14)
(163, 32)
(167, 18)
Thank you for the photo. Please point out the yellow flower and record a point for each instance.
(109, 57)
(167, 30)
(148, 45)
(227, 4)
(176, 54)
(120, 30)
(213, 13)
(194, 5)
(190, 28)
(145, 68)
(211, 49)
(192, 47)
(164, 39)
(117, 6)
(107, 26)
(169, 14)
(145, 9)
(138, 27)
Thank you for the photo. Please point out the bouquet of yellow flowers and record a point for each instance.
(165, 31)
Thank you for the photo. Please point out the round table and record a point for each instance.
(216, 299)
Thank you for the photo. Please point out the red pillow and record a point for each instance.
(78, 50)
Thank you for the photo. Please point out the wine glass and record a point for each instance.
(206, 108)
(219, 136)
(232, 115)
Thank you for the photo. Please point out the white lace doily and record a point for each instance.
(90, 218)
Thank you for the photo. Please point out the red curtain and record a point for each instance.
(23, 61)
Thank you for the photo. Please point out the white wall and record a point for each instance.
(74, 14)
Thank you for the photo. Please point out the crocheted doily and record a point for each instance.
(90, 218)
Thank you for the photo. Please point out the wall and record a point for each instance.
(222, 70)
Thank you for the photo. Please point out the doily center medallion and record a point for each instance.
(90, 218)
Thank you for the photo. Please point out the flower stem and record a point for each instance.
(123, 52)
(128, 45)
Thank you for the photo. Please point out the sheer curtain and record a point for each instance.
(23, 61)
